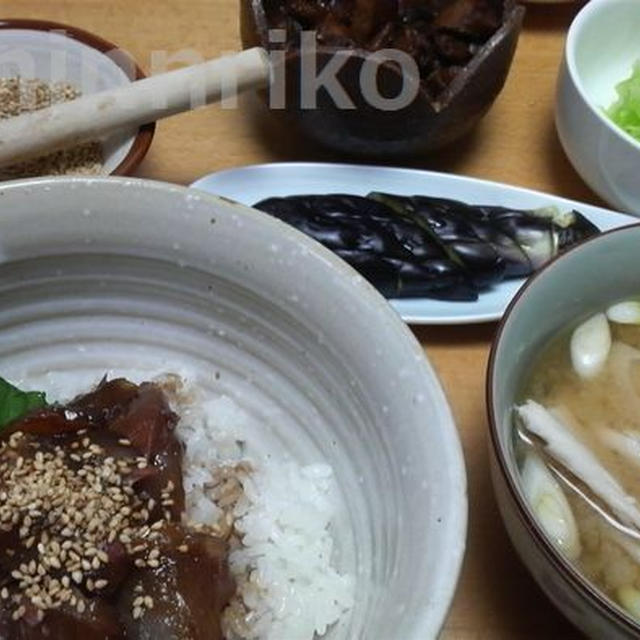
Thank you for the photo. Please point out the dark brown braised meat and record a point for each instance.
(91, 541)
(441, 35)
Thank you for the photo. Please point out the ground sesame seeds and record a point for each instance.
(19, 612)
(140, 604)
(68, 507)
(18, 96)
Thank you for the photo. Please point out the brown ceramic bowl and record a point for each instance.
(34, 47)
(591, 276)
(420, 127)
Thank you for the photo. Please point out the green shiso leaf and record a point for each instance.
(625, 111)
(15, 403)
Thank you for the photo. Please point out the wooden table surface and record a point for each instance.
(516, 143)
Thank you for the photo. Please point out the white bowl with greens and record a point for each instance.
(602, 51)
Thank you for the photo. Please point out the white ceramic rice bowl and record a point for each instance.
(112, 275)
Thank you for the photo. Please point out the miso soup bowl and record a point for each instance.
(586, 278)
(113, 275)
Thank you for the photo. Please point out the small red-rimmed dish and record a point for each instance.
(54, 52)
(589, 277)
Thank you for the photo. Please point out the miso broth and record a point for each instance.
(577, 438)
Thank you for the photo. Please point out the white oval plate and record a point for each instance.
(249, 185)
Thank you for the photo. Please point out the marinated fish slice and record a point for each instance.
(182, 596)
(50, 421)
(148, 425)
(109, 400)
(122, 421)
(96, 621)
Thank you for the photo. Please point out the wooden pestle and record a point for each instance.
(93, 116)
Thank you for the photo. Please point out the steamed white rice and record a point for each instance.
(288, 586)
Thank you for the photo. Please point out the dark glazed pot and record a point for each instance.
(420, 127)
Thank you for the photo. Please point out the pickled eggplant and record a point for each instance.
(391, 251)
(420, 246)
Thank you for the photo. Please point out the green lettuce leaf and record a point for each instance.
(15, 403)
(625, 111)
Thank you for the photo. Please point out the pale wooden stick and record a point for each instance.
(91, 117)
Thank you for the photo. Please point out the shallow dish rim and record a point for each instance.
(579, 583)
(144, 136)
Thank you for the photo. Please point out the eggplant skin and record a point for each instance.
(483, 264)
(426, 247)
(397, 256)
